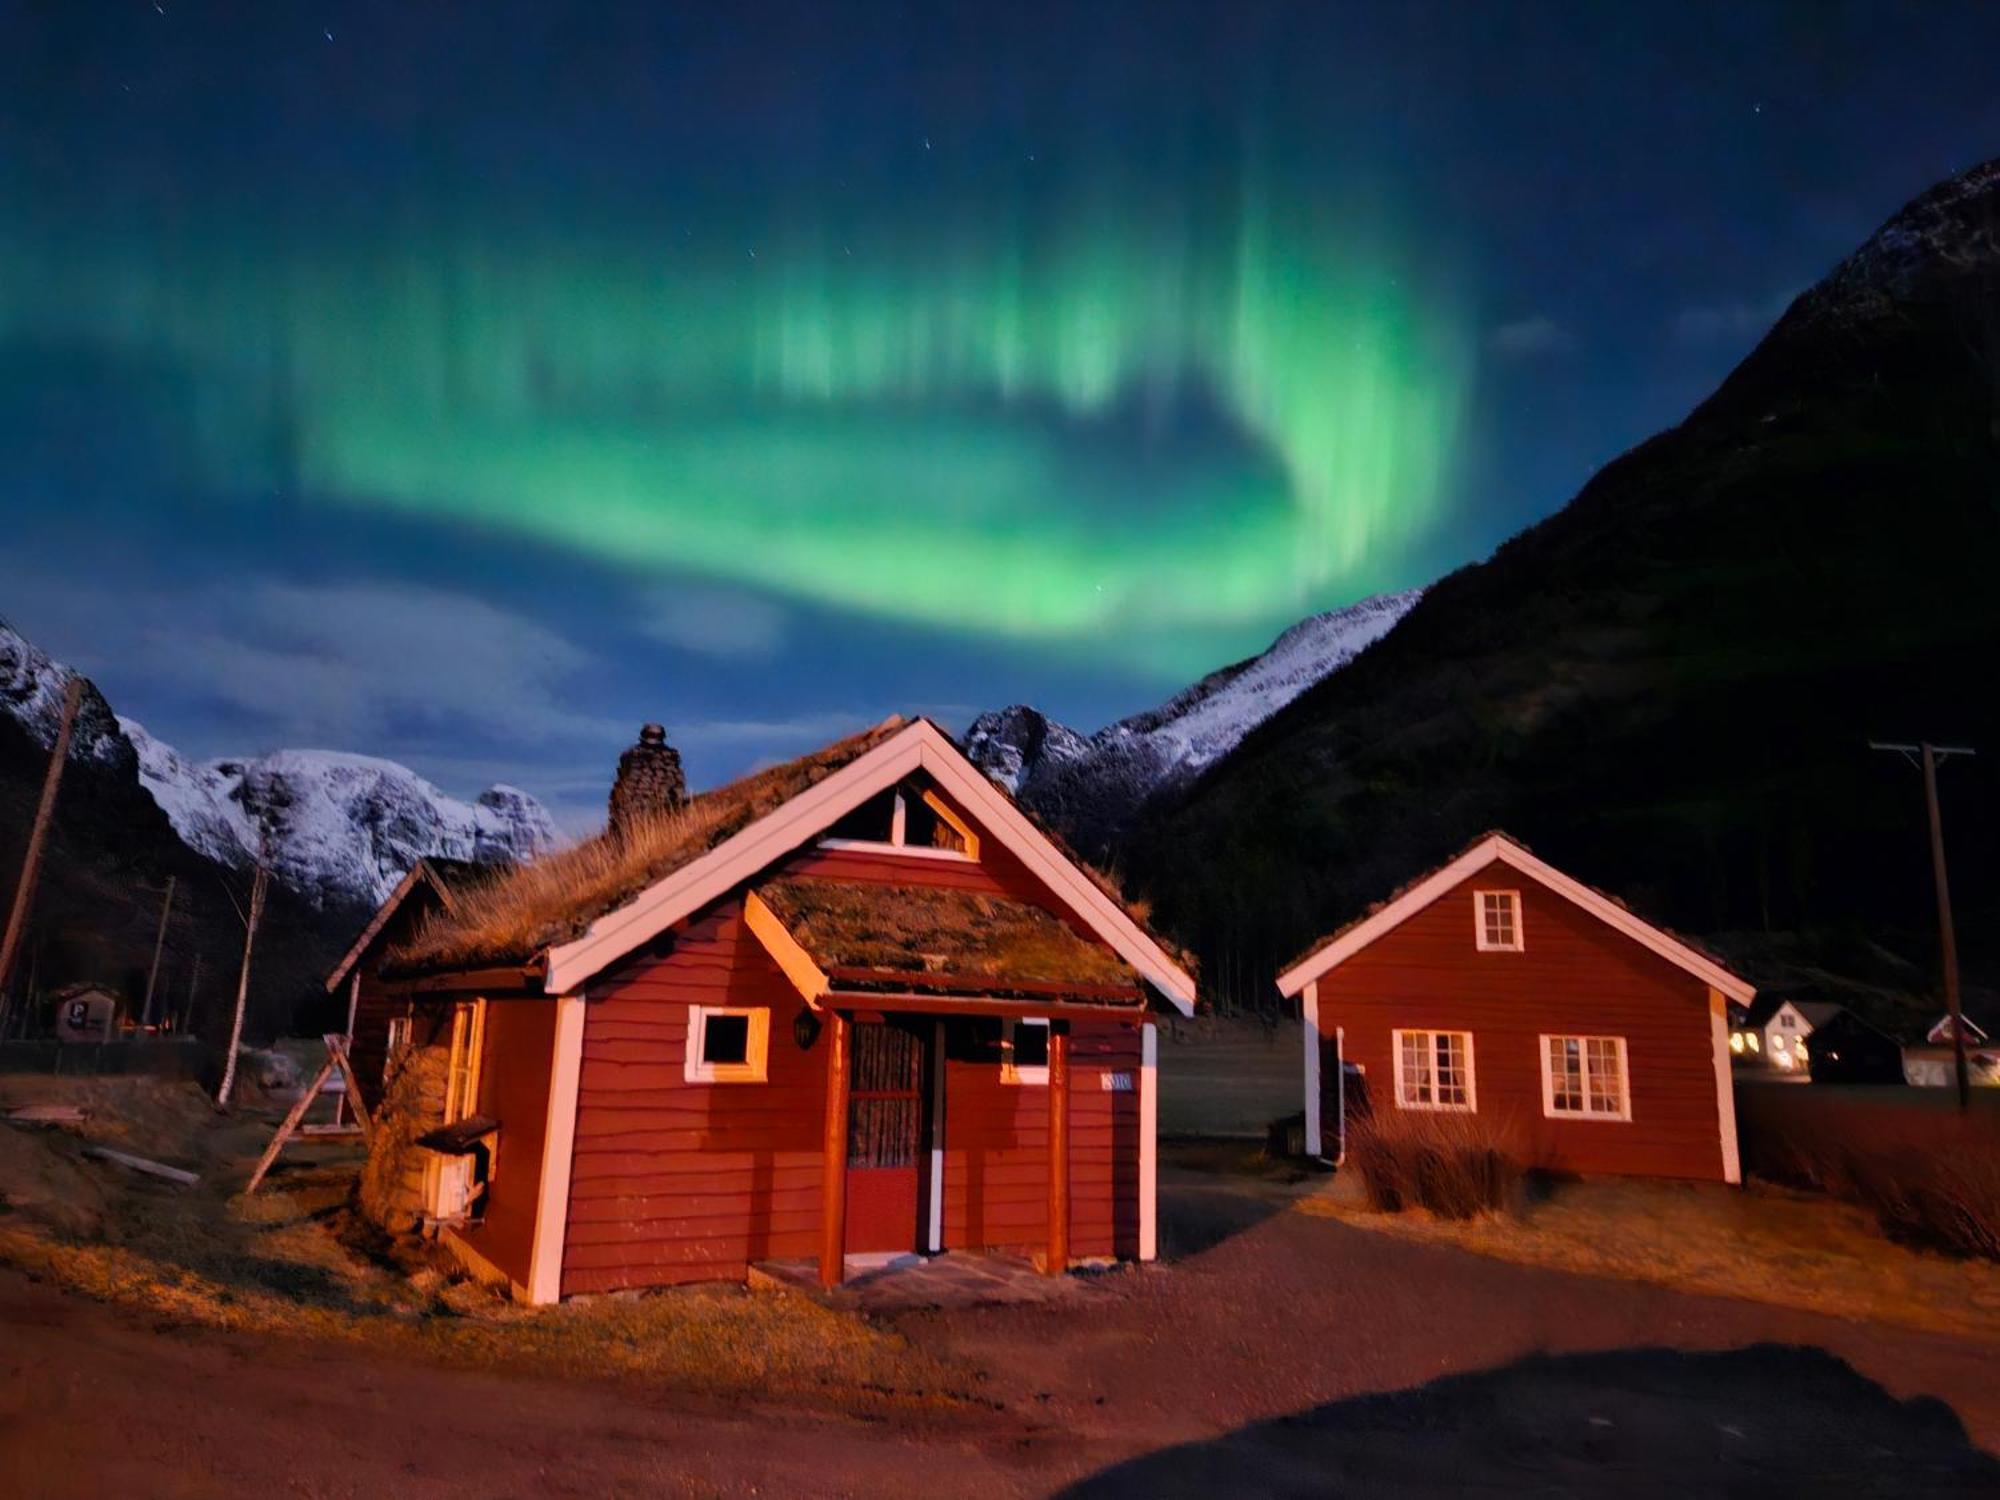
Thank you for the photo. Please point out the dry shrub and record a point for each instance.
(1451, 1164)
(1929, 1175)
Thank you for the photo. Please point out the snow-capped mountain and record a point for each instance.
(1089, 787)
(336, 827)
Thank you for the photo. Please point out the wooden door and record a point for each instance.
(885, 1138)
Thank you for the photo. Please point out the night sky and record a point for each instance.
(466, 384)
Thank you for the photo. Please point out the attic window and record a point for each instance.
(911, 820)
(1496, 919)
(727, 1044)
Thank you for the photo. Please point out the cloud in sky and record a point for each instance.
(1704, 324)
(717, 622)
(1530, 338)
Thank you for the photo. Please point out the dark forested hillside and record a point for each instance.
(1667, 687)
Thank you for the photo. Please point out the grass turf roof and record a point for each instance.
(515, 916)
(931, 931)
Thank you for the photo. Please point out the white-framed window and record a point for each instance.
(1024, 1051)
(1585, 1078)
(728, 1043)
(916, 823)
(1434, 1070)
(1496, 921)
(1788, 1021)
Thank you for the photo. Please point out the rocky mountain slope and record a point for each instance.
(1668, 686)
(133, 814)
(338, 828)
(1092, 787)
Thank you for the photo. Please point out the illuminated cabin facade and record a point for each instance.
(855, 1004)
(1582, 1037)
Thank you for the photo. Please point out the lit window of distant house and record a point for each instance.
(1583, 1077)
(1434, 1070)
(1498, 918)
(728, 1044)
(1024, 1051)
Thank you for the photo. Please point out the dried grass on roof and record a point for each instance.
(552, 900)
(928, 930)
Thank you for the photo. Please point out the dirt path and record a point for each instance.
(1236, 1369)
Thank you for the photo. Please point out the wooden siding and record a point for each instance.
(674, 1181)
(996, 1166)
(514, 1089)
(1575, 976)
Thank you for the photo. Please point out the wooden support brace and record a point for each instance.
(1058, 1257)
(833, 1161)
(291, 1123)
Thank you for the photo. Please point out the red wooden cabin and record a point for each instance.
(854, 1003)
(1588, 1039)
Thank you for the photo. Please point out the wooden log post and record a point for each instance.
(833, 1162)
(1058, 1258)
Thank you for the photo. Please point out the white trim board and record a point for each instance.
(558, 1150)
(1149, 1141)
(1503, 850)
(921, 745)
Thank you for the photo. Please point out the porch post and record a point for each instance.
(833, 1161)
(1058, 1259)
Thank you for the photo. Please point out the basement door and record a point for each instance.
(885, 1138)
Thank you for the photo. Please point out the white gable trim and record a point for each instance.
(736, 859)
(1505, 851)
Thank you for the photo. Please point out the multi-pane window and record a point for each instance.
(1497, 915)
(1434, 1070)
(1584, 1076)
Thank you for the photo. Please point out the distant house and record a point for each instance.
(1847, 1049)
(854, 1004)
(1590, 1039)
(85, 1012)
(1931, 1061)
(1785, 1029)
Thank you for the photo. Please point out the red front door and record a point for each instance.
(885, 1138)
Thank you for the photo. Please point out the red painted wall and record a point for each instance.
(1575, 976)
(675, 1181)
(514, 1089)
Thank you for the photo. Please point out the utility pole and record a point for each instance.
(1926, 757)
(256, 915)
(24, 893)
(159, 942)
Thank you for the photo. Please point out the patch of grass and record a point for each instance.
(1929, 1177)
(1763, 1243)
(1450, 1164)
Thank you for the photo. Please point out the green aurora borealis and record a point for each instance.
(1141, 427)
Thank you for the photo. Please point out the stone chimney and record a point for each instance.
(649, 781)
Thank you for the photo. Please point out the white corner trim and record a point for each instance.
(1443, 880)
(1149, 1141)
(558, 1148)
(1725, 1087)
(1310, 1015)
(792, 960)
(937, 1139)
(920, 745)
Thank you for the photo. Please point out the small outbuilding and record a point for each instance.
(855, 1004)
(1847, 1049)
(1585, 1037)
(1930, 1061)
(85, 1012)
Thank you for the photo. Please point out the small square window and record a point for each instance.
(727, 1044)
(1496, 917)
(1024, 1051)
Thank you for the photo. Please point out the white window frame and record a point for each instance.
(395, 1043)
(756, 1048)
(1479, 938)
(1035, 1075)
(1623, 1114)
(1471, 1105)
(897, 843)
